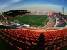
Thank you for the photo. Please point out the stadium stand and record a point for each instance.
(26, 39)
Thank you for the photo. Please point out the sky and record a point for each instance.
(50, 5)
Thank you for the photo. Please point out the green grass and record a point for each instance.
(34, 20)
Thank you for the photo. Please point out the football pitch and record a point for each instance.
(33, 20)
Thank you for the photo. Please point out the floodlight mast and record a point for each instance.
(63, 10)
(63, 7)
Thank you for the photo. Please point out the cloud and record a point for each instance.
(8, 3)
(15, 1)
(41, 7)
(65, 10)
(25, 4)
(45, 7)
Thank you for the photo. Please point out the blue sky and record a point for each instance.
(22, 4)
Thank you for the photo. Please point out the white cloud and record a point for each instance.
(45, 7)
(65, 10)
(8, 3)
(15, 1)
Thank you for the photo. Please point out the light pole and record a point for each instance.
(63, 10)
(63, 7)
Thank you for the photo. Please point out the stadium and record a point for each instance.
(33, 27)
